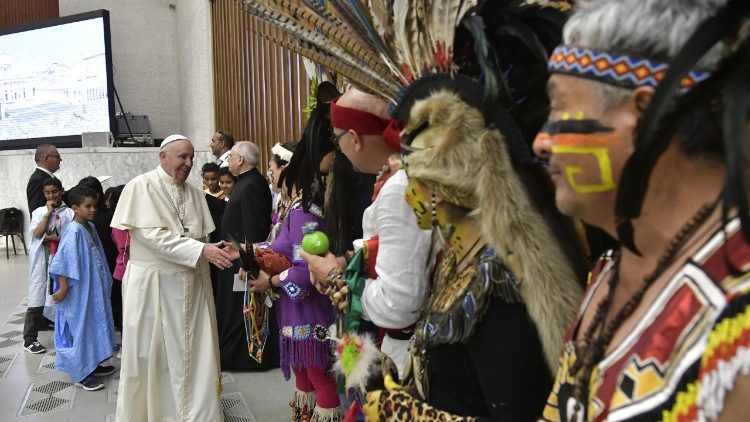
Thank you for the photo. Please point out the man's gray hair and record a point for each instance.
(43, 151)
(652, 29)
(249, 151)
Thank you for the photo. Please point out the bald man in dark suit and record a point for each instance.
(47, 163)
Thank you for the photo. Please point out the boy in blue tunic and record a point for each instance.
(84, 330)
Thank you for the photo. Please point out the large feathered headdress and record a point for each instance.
(380, 46)
(403, 50)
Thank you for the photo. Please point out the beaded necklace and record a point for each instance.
(592, 347)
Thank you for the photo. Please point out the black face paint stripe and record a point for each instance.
(582, 126)
(421, 208)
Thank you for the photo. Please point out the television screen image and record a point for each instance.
(55, 81)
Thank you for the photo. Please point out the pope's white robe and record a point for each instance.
(170, 356)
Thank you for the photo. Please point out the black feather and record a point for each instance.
(526, 36)
(495, 87)
(247, 258)
(651, 141)
(734, 120)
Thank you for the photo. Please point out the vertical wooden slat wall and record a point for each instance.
(260, 88)
(19, 12)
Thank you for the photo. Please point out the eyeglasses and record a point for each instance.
(335, 138)
(55, 156)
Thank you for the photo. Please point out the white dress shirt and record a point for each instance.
(46, 171)
(394, 300)
(223, 160)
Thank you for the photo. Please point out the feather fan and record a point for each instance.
(379, 45)
(318, 40)
(336, 66)
(341, 35)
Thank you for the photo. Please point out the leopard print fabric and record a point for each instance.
(397, 406)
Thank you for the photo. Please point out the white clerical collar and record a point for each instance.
(243, 172)
(46, 171)
(165, 177)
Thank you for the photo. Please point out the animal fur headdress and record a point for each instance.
(459, 154)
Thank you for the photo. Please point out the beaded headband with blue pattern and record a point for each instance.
(616, 69)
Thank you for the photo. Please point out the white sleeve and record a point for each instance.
(395, 298)
(66, 216)
(36, 218)
(170, 246)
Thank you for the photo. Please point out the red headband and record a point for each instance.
(366, 123)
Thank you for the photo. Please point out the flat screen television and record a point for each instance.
(56, 81)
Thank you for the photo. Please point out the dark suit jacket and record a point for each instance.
(34, 194)
(216, 208)
(247, 215)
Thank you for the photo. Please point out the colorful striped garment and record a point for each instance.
(682, 358)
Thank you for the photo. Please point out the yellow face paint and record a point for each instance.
(578, 115)
(605, 168)
(416, 197)
(583, 137)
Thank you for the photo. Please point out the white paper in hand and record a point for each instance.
(239, 284)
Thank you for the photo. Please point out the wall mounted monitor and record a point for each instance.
(56, 81)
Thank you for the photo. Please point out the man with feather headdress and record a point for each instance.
(649, 118)
(397, 274)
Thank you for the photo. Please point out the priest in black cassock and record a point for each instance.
(247, 217)
(216, 209)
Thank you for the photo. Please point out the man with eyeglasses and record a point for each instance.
(221, 143)
(47, 163)
(397, 285)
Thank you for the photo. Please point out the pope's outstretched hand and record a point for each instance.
(220, 254)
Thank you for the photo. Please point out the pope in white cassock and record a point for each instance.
(170, 355)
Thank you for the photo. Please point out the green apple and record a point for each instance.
(315, 243)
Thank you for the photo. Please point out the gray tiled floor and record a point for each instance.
(264, 394)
